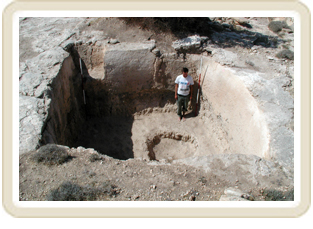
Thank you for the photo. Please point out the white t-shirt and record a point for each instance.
(184, 84)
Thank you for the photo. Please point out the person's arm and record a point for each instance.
(191, 92)
(176, 88)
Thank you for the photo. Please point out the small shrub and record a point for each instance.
(95, 157)
(275, 195)
(51, 154)
(67, 192)
(73, 192)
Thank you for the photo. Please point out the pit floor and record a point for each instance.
(124, 138)
(200, 136)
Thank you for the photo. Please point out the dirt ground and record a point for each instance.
(131, 180)
(127, 180)
(130, 175)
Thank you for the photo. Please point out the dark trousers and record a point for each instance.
(182, 104)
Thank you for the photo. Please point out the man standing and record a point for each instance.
(183, 92)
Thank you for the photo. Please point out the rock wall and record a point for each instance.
(66, 109)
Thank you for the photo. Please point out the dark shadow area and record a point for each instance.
(226, 35)
(179, 26)
(246, 39)
(108, 135)
(192, 113)
(223, 35)
(195, 94)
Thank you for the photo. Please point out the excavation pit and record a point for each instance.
(129, 110)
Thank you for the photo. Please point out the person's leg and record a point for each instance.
(179, 106)
(185, 106)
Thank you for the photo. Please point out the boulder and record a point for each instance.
(232, 198)
(113, 41)
(277, 26)
(287, 54)
(190, 44)
(233, 194)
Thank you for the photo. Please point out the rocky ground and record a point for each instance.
(84, 174)
(88, 175)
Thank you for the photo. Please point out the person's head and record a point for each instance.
(185, 72)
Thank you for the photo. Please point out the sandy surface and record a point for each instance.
(170, 138)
